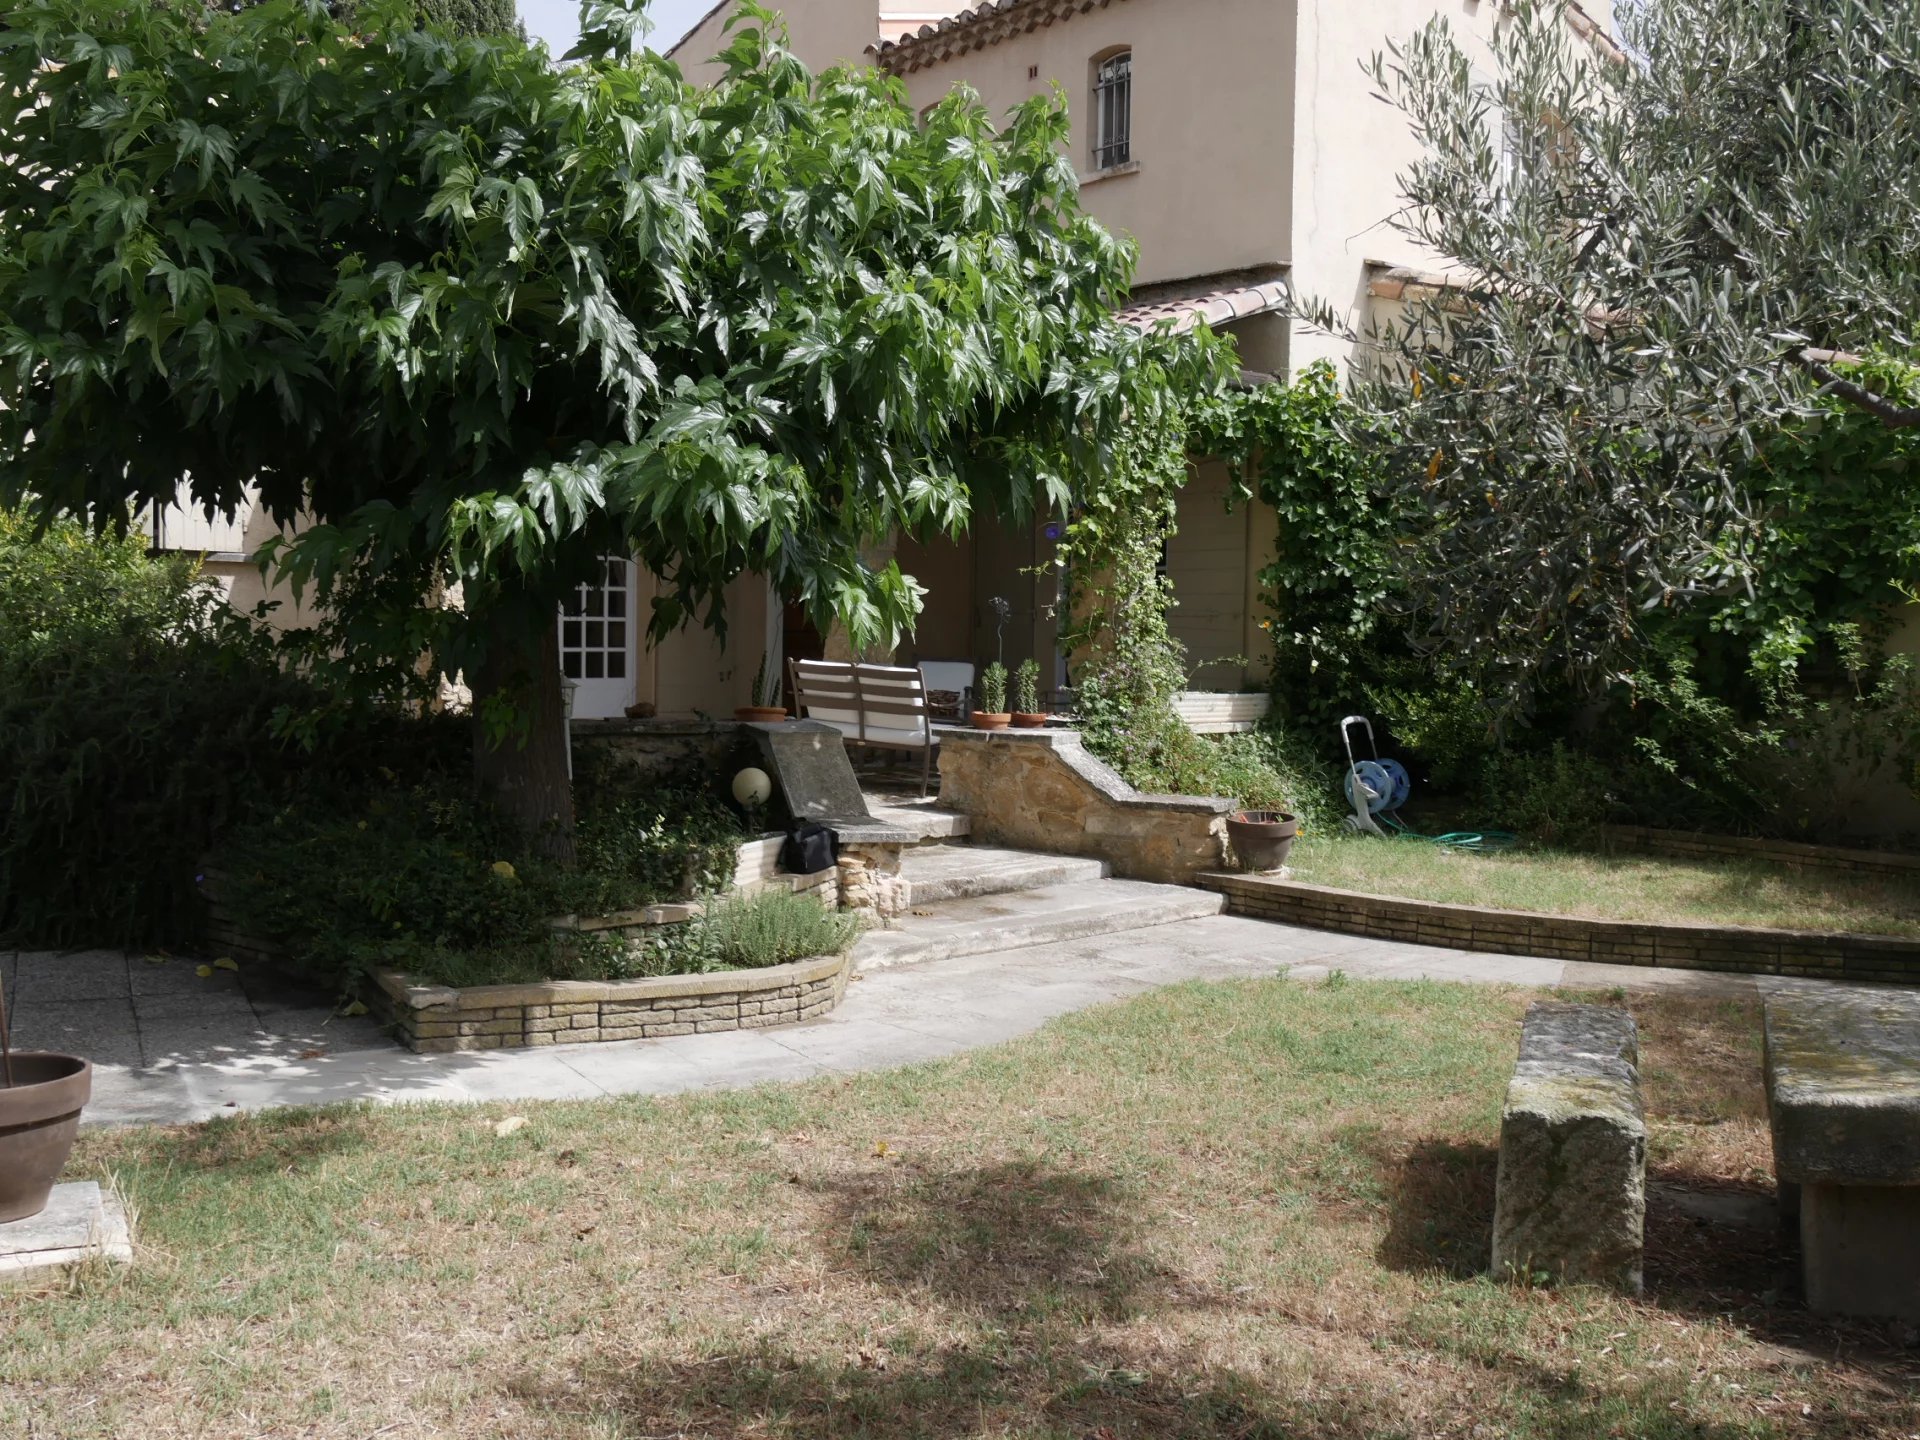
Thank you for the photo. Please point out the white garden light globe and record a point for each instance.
(752, 787)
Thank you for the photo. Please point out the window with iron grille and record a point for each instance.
(1113, 111)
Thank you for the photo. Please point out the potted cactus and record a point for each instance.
(994, 714)
(1027, 714)
(41, 1096)
(766, 706)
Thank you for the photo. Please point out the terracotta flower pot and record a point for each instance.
(992, 719)
(1261, 839)
(39, 1114)
(760, 714)
(1029, 719)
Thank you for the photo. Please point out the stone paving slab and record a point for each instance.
(149, 1013)
(42, 979)
(102, 1030)
(80, 1223)
(890, 1017)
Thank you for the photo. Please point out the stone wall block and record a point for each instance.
(1571, 1201)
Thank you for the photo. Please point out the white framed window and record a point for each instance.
(1113, 109)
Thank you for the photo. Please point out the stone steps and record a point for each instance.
(1014, 920)
(927, 821)
(957, 872)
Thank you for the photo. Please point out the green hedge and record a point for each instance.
(135, 721)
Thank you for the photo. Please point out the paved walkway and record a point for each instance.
(172, 1046)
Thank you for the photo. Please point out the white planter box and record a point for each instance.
(1218, 712)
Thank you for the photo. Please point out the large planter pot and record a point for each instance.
(760, 714)
(992, 719)
(39, 1114)
(1261, 839)
(1029, 719)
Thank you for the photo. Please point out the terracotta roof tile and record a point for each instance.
(987, 23)
(993, 21)
(1216, 299)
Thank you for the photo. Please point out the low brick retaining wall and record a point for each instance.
(1691, 845)
(1743, 949)
(437, 1018)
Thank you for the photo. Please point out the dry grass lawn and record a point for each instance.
(1615, 887)
(1255, 1210)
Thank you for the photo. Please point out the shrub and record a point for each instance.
(1802, 761)
(136, 719)
(772, 928)
(1444, 725)
(640, 842)
(1271, 768)
(428, 880)
(1560, 797)
(141, 717)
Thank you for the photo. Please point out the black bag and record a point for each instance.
(809, 848)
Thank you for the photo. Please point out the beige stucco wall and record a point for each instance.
(822, 33)
(1212, 119)
(691, 671)
(1353, 148)
(228, 543)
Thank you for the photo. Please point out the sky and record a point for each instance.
(558, 21)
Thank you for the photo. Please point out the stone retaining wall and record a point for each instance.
(437, 1018)
(1042, 790)
(671, 749)
(1743, 949)
(1689, 845)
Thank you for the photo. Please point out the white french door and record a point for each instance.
(596, 643)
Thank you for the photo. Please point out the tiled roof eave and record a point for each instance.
(993, 21)
(1220, 306)
(985, 24)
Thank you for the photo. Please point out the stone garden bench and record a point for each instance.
(1571, 1197)
(1843, 1096)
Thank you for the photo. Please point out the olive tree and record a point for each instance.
(1659, 251)
(470, 320)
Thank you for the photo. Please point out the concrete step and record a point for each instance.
(925, 819)
(986, 924)
(955, 872)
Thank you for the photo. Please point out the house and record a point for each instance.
(1240, 144)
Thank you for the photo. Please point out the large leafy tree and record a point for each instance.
(475, 320)
(1663, 252)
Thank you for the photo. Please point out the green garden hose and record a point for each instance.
(1480, 842)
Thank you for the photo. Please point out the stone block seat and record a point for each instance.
(1571, 1197)
(1843, 1097)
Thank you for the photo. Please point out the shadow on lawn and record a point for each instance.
(278, 1142)
(1712, 1254)
(1019, 1239)
(1068, 1387)
(1440, 1208)
(1053, 1324)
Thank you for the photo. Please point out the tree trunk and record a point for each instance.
(523, 774)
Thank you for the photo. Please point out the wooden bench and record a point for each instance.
(878, 707)
(1843, 1098)
(1570, 1202)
